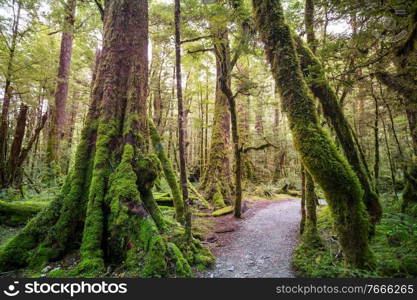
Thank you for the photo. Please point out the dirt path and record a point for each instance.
(261, 245)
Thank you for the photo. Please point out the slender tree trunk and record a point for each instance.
(391, 163)
(309, 24)
(376, 145)
(303, 199)
(324, 163)
(57, 126)
(181, 123)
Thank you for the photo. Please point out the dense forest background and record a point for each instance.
(330, 112)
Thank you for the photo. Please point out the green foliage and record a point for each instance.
(394, 246)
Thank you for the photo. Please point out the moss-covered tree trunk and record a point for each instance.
(312, 69)
(303, 199)
(217, 176)
(319, 155)
(106, 208)
(310, 234)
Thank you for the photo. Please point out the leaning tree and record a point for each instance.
(318, 153)
(106, 208)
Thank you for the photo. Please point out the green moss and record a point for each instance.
(18, 213)
(409, 194)
(155, 264)
(394, 246)
(88, 268)
(168, 172)
(315, 77)
(222, 211)
(182, 267)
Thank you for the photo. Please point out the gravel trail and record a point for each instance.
(262, 246)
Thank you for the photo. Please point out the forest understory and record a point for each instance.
(208, 138)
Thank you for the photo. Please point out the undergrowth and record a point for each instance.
(394, 246)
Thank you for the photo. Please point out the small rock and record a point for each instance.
(46, 269)
(231, 269)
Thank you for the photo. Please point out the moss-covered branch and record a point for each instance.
(317, 82)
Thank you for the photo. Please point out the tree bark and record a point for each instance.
(4, 118)
(181, 123)
(216, 181)
(57, 126)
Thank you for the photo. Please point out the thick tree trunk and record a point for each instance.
(319, 155)
(106, 205)
(57, 126)
(312, 68)
(217, 177)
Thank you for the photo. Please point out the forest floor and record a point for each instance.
(260, 244)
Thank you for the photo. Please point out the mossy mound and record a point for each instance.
(18, 213)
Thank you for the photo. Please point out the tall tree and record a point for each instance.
(7, 93)
(217, 178)
(57, 126)
(181, 122)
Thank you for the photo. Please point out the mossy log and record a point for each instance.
(18, 213)
(317, 151)
(316, 79)
(222, 211)
(106, 208)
